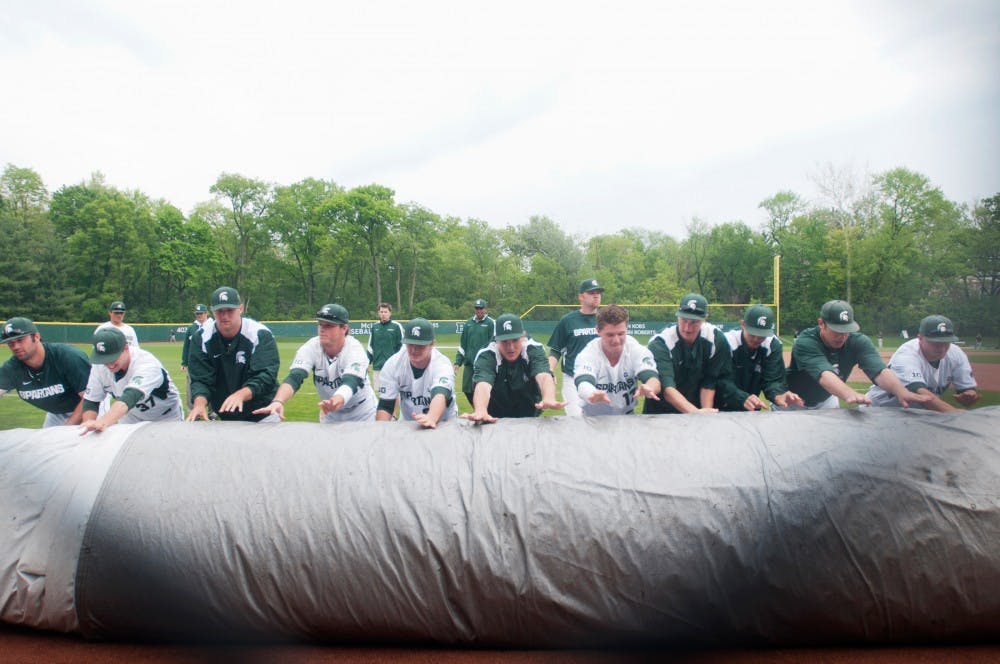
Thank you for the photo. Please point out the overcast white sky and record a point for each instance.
(600, 115)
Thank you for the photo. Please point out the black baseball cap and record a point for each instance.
(590, 285)
(333, 313)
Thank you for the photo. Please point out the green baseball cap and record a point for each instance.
(759, 320)
(508, 326)
(693, 306)
(117, 305)
(419, 332)
(839, 316)
(200, 309)
(333, 313)
(479, 304)
(938, 328)
(18, 327)
(589, 285)
(108, 344)
(225, 298)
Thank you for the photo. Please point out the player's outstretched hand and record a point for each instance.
(648, 391)
(858, 399)
(707, 410)
(198, 413)
(599, 396)
(789, 398)
(967, 398)
(479, 416)
(906, 398)
(92, 425)
(754, 402)
(550, 405)
(233, 403)
(424, 421)
(331, 405)
(273, 407)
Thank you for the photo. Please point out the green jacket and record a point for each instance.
(764, 369)
(811, 357)
(703, 364)
(219, 367)
(476, 334)
(515, 390)
(383, 342)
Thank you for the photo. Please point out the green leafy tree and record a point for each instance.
(243, 233)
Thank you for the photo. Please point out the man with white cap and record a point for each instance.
(929, 365)
(758, 365)
(141, 388)
(824, 356)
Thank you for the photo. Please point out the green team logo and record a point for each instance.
(356, 367)
(137, 380)
(647, 362)
(443, 381)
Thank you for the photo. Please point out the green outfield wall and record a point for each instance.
(80, 333)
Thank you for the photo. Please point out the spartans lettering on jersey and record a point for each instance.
(42, 392)
(326, 382)
(585, 332)
(619, 387)
(416, 401)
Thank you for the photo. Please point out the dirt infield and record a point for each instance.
(31, 647)
(987, 373)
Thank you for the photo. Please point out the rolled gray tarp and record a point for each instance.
(863, 526)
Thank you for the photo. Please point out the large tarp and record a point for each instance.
(871, 525)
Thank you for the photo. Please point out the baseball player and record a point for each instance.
(116, 313)
(476, 335)
(52, 377)
(512, 376)
(339, 365)
(929, 365)
(758, 364)
(614, 370)
(200, 316)
(419, 378)
(691, 358)
(233, 363)
(824, 356)
(141, 387)
(385, 340)
(574, 331)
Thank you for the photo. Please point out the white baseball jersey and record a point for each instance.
(909, 364)
(328, 376)
(130, 336)
(159, 401)
(619, 381)
(397, 380)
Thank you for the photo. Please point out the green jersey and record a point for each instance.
(383, 342)
(704, 364)
(811, 357)
(752, 371)
(55, 387)
(219, 367)
(476, 335)
(188, 335)
(572, 333)
(515, 390)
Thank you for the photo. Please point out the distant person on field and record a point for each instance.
(758, 365)
(233, 363)
(574, 331)
(929, 365)
(419, 379)
(691, 358)
(476, 335)
(385, 340)
(824, 356)
(51, 377)
(134, 378)
(200, 316)
(614, 370)
(979, 340)
(116, 314)
(512, 376)
(339, 365)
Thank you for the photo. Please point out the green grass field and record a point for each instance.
(303, 407)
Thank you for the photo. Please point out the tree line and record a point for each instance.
(891, 243)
